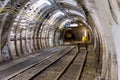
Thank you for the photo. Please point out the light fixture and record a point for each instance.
(74, 25)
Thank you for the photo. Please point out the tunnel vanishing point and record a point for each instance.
(30, 25)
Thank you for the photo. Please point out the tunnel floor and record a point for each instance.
(58, 63)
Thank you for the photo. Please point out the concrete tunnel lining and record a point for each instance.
(108, 31)
(98, 15)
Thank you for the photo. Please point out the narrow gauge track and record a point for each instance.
(66, 65)
(30, 73)
(59, 67)
(31, 61)
(69, 67)
(74, 70)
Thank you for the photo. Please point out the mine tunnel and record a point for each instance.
(59, 40)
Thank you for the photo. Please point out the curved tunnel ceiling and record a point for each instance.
(35, 17)
(51, 10)
(64, 9)
(39, 21)
(45, 9)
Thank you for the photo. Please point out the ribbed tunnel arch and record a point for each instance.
(27, 26)
(37, 22)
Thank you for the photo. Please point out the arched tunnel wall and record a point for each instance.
(105, 15)
(102, 16)
(34, 34)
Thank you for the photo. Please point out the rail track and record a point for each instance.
(64, 65)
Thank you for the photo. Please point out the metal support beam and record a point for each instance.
(60, 8)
